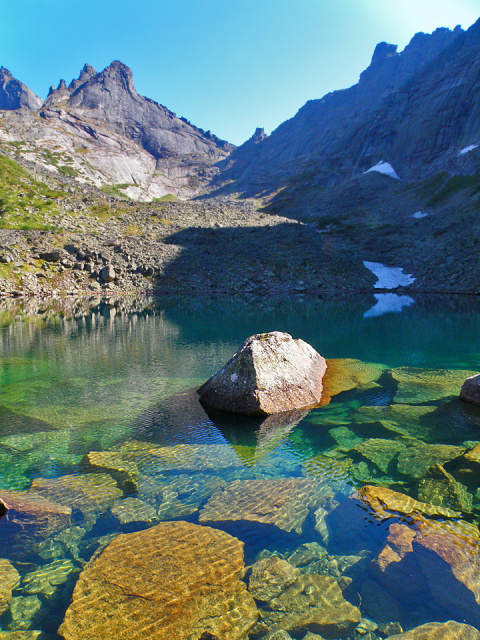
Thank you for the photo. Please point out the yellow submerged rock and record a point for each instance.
(175, 580)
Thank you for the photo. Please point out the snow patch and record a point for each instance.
(468, 149)
(388, 303)
(389, 277)
(419, 215)
(385, 168)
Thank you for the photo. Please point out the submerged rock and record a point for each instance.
(470, 390)
(270, 577)
(417, 458)
(416, 385)
(29, 519)
(9, 579)
(344, 374)
(175, 580)
(47, 579)
(270, 373)
(283, 503)
(440, 488)
(125, 472)
(439, 631)
(314, 603)
(435, 562)
(133, 510)
(89, 495)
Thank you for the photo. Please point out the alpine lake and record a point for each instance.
(132, 512)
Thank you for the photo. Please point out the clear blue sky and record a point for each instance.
(226, 65)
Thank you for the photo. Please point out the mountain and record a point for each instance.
(415, 110)
(15, 95)
(99, 129)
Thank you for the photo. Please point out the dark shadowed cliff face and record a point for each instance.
(415, 110)
(15, 95)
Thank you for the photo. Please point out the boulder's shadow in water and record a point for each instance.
(182, 419)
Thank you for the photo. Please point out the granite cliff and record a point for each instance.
(98, 129)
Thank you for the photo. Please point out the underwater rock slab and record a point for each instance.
(270, 373)
(29, 519)
(416, 459)
(183, 457)
(91, 494)
(125, 472)
(133, 510)
(12, 423)
(314, 603)
(435, 560)
(9, 579)
(175, 580)
(283, 503)
(344, 374)
(48, 578)
(418, 386)
(450, 630)
(438, 487)
(270, 577)
(380, 451)
(357, 520)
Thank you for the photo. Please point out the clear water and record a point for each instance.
(115, 376)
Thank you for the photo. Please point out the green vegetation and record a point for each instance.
(116, 189)
(67, 171)
(454, 185)
(23, 200)
(169, 197)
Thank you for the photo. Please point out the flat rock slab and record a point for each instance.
(270, 373)
(344, 374)
(450, 630)
(436, 561)
(182, 457)
(175, 580)
(125, 472)
(29, 519)
(315, 603)
(9, 579)
(419, 386)
(91, 494)
(282, 503)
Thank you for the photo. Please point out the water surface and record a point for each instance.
(117, 376)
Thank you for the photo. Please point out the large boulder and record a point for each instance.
(271, 372)
(175, 580)
(470, 390)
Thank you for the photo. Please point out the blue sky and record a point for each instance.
(226, 65)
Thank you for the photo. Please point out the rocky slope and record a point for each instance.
(100, 131)
(416, 110)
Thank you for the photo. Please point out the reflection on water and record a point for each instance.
(371, 500)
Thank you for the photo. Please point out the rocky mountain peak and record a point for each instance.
(382, 52)
(110, 96)
(16, 95)
(85, 74)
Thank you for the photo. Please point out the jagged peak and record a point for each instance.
(382, 52)
(5, 73)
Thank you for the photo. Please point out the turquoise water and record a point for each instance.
(117, 376)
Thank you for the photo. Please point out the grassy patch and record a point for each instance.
(454, 185)
(116, 189)
(23, 200)
(169, 197)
